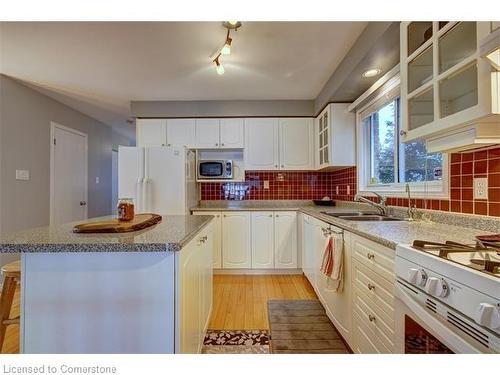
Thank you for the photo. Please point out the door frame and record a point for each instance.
(53, 126)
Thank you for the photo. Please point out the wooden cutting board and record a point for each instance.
(140, 221)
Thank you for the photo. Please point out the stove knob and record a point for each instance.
(412, 275)
(488, 315)
(421, 277)
(436, 287)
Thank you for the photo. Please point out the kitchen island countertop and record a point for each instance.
(171, 234)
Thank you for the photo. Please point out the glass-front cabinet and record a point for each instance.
(445, 83)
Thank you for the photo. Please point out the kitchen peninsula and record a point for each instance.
(140, 292)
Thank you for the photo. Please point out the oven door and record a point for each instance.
(211, 169)
(421, 331)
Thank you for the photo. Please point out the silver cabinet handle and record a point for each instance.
(276, 166)
(371, 286)
(271, 215)
(282, 166)
(371, 317)
(402, 133)
(222, 144)
(370, 256)
(83, 203)
(216, 144)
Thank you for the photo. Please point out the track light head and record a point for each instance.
(218, 66)
(231, 25)
(226, 49)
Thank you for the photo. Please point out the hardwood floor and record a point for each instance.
(240, 302)
(11, 341)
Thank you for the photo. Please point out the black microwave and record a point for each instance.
(215, 169)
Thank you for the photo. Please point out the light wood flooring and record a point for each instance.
(240, 302)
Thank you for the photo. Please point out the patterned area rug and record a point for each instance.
(236, 342)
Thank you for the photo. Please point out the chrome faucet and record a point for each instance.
(411, 208)
(381, 206)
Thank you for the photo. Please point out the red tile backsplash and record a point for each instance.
(464, 167)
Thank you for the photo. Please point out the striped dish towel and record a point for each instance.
(332, 265)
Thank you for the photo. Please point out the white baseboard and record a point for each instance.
(251, 271)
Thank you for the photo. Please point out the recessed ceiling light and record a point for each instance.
(371, 73)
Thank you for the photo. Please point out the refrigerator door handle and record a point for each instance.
(139, 193)
(147, 194)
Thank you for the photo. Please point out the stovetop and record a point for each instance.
(483, 256)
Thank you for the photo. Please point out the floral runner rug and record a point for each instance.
(236, 342)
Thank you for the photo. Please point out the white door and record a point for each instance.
(261, 144)
(181, 132)
(236, 241)
(165, 182)
(296, 144)
(232, 133)
(263, 239)
(217, 235)
(207, 133)
(68, 175)
(285, 239)
(151, 132)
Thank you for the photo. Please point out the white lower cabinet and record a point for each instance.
(285, 239)
(217, 233)
(236, 240)
(195, 286)
(373, 296)
(263, 239)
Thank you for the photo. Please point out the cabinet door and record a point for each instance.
(217, 237)
(261, 144)
(207, 133)
(206, 276)
(262, 239)
(151, 132)
(285, 239)
(232, 133)
(296, 143)
(181, 132)
(308, 249)
(236, 242)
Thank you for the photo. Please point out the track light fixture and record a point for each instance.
(226, 48)
(218, 66)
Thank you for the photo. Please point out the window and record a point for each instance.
(389, 163)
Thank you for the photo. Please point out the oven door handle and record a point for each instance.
(442, 332)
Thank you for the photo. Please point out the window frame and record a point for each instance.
(425, 189)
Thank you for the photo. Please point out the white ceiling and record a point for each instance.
(100, 67)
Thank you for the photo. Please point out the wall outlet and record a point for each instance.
(266, 184)
(348, 190)
(22, 174)
(97, 180)
(337, 190)
(481, 188)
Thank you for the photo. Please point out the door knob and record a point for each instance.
(83, 203)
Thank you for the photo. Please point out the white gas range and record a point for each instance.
(448, 298)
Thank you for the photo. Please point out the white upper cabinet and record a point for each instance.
(263, 239)
(232, 133)
(335, 137)
(151, 132)
(236, 240)
(207, 133)
(285, 239)
(296, 143)
(181, 132)
(449, 94)
(261, 144)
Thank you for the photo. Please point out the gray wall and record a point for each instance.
(25, 118)
(222, 108)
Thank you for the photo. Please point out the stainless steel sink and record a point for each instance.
(370, 218)
(361, 216)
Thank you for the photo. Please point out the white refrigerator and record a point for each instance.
(160, 180)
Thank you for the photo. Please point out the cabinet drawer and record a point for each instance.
(376, 291)
(365, 339)
(379, 327)
(376, 257)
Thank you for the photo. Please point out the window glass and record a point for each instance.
(383, 138)
(392, 161)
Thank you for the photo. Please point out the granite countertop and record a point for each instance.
(171, 234)
(443, 227)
